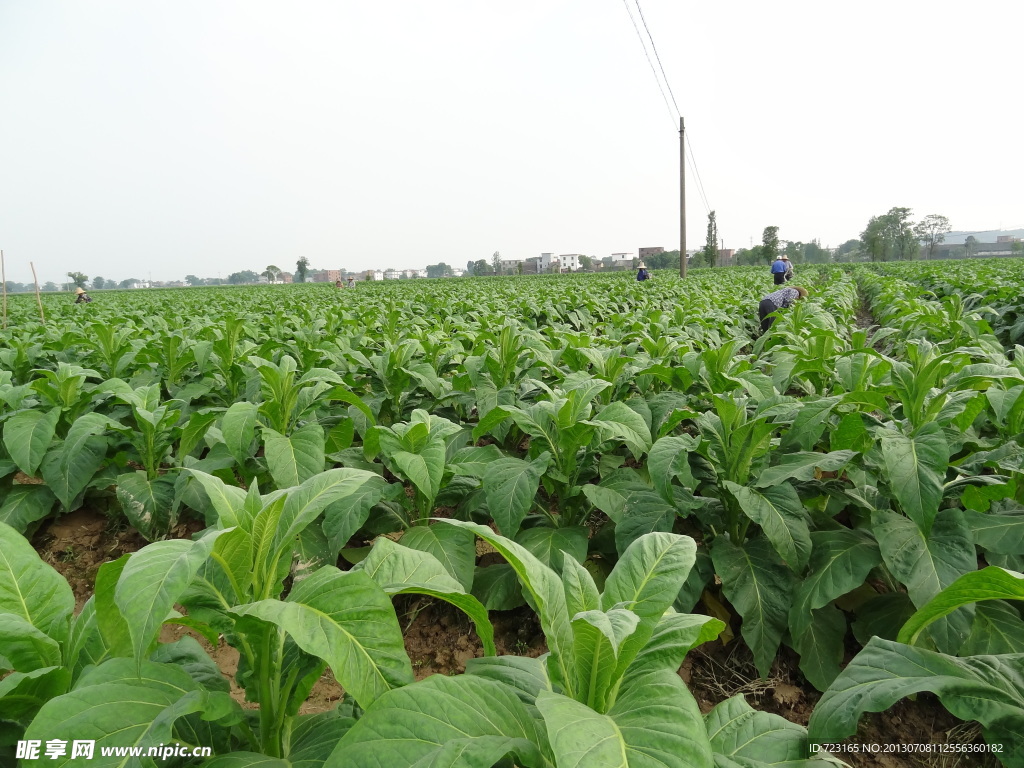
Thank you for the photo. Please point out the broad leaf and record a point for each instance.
(30, 589)
(25, 504)
(27, 436)
(781, 516)
(295, 458)
(549, 544)
(510, 486)
(458, 722)
(453, 547)
(349, 622)
(760, 587)
(146, 503)
(915, 467)
(740, 732)
(239, 429)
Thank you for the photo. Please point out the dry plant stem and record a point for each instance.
(39, 301)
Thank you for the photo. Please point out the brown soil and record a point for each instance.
(440, 640)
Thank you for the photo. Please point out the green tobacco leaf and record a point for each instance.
(349, 622)
(523, 674)
(344, 517)
(24, 647)
(67, 470)
(676, 635)
(927, 565)
(25, 504)
(498, 588)
(443, 722)
(738, 731)
(989, 689)
(402, 570)
(510, 486)
(305, 503)
(810, 422)
(597, 637)
(760, 587)
(1002, 534)
(27, 436)
(227, 500)
(545, 589)
(669, 459)
(32, 590)
(580, 590)
(643, 512)
(781, 516)
(198, 424)
(801, 466)
(112, 627)
(454, 548)
(655, 722)
(548, 544)
(840, 562)
(987, 584)
(883, 615)
(153, 580)
(294, 459)
(146, 503)
(473, 461)
(997, 628)
(120, 705)
(915, 467)
(619, 421)
(239, 429)
(22, 694)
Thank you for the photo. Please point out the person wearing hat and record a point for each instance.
(642, 273)
(83, 297)
(789, 267)
(351, 282)
(779, 269)
(773, 302)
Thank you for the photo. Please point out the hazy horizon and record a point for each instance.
(205, 138)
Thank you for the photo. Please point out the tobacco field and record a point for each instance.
(627, 465)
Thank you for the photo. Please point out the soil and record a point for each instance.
(440, 640)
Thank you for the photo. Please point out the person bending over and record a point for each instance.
(781, 299)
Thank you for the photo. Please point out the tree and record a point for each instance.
(79, 279)
(469, 267)
(130, 282)
(439, 270)
(496, 263)
(890, 236)
(245, 276)
(931, 230)
(813, 253)
(49, 286)
(1017, 247)
(750, 257)
(586, 262)
(710, 251)
(98, 283)
(193, 280)
(848, 251)
(481, 267)
(770, 243)
(301, 268)
(971, 244)
(272, 272)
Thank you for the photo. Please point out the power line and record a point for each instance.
(700, 184)
(655, 49)
(672, 117)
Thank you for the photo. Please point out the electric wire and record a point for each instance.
(655, 49)
(672, 117)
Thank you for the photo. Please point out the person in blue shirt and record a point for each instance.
(779, 269)
(642, 273)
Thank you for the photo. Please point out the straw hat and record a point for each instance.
(641, 265)
(79, 290)
(784, 257)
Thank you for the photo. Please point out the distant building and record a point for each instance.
(510, 265)
(726, 256)
(374, 274)
(622, 261)
(392, 274)
(646, 253)
(410, 274)
(327, 276)
(569, 262)
(285, 277)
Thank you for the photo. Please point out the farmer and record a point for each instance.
(83, 297)
(779, 270)
(789, 268)
(781, 299)
(351, 282)
(337, 283)
(642, 273)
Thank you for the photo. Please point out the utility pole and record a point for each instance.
(682, 199)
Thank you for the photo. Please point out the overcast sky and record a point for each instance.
(207, 137)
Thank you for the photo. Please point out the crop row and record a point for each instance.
(631, 450)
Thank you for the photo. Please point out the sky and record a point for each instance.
(160, 139)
